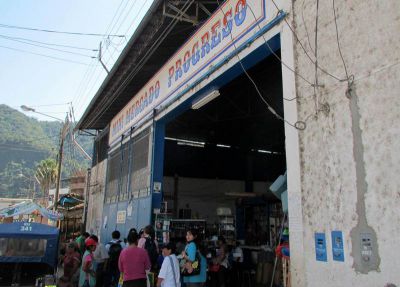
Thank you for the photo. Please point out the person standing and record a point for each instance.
(80, 241)
(148, 242)
(133, 263)
(169, 275)
(219, 278)
(71, 262)
(87, 276)
(114, 249)
(100, 257)
(189, 254)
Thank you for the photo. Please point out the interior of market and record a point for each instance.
(220, 159)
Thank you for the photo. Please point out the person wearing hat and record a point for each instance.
(169, 275)
(87, 277)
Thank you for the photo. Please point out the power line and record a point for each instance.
(57, 32)
(304, 49)
(155, 44)
(338, 43)
(42, 55)
(50, 105)
(299, 125)
(44, 47)
(49, 44)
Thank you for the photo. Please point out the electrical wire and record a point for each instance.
(298, 125)
(316, 101)
(305, 51)
(84, 84)
(42, 55)
(44, 47)
(57, 32)
(50, 105)
(338, 42)
(274, 54)
(119, 16)
(305, 26)
(143, 59)
(49, 44)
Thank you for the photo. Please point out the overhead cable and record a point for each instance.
(304, 49)
(298, 125)
(49, 44)
(58, 32)
(44, 47)
(338, 43)
(46, 56)
(144, 58)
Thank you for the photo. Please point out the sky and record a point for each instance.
(51, 85)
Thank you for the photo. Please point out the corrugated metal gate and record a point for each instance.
(127, 192)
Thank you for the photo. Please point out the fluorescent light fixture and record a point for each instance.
(205, 100)
(171, 139)
(268, 151)
(194, 144)
(222, 145)
(264, 151)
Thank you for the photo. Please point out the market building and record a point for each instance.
(212, 105)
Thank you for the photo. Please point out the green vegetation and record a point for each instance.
(25, 142)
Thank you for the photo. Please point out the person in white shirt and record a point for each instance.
(169, 275)
(100, 256)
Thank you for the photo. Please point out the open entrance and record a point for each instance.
(220, 158)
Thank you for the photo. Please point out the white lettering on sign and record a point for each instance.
(26, 227)
(231, 24)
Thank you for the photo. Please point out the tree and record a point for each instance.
(13, 180)
(46, 173)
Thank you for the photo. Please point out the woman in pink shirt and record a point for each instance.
(133, 263)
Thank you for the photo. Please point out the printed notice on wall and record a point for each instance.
(129, 209)
(320, 247)
(121, 216)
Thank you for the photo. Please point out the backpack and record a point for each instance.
(151, 248)
(113, 252)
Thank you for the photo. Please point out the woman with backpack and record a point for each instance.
(192, 277)
(87, 276)
(147, 241)
(133, 263)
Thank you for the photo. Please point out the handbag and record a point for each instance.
(192, 268)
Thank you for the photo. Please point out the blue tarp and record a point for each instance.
(28, 242)
(69, 201)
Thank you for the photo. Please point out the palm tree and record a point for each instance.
(46, 173)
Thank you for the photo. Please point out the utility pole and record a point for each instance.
(64, 131)
(101, 62)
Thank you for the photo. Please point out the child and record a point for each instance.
(169, 275)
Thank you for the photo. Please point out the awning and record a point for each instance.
(28, 207)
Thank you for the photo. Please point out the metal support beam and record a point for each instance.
(181, 15)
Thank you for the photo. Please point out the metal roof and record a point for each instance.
(165, 27)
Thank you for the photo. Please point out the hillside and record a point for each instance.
(25, 141)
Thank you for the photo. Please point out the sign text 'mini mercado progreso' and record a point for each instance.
(231, 24)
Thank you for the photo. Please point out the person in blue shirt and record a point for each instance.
(190, 255)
